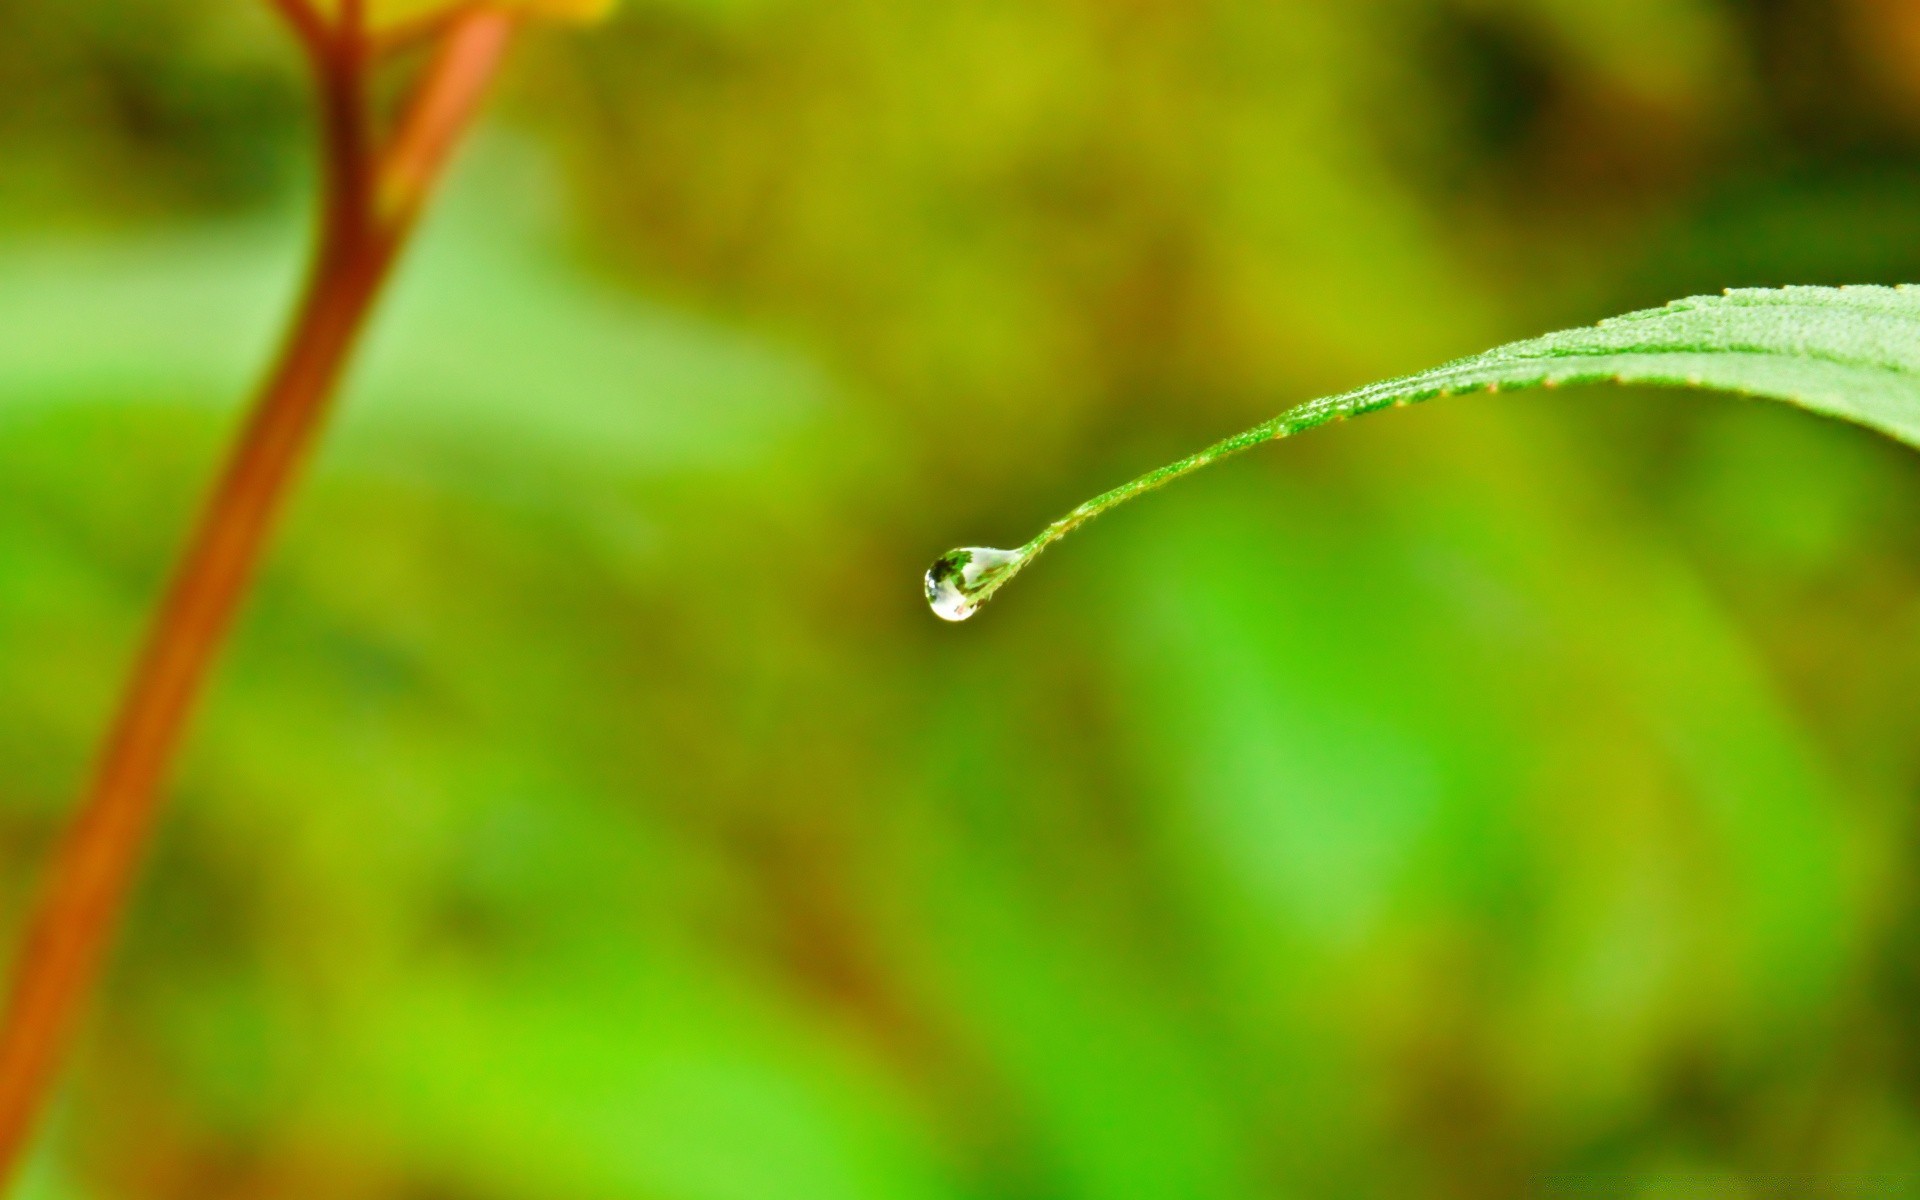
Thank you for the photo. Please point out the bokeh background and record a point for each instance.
(1512, 793)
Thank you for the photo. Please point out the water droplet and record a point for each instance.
(962, 580)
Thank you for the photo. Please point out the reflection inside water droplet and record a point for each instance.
(959, 583)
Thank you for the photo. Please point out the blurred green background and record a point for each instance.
(1508, 792)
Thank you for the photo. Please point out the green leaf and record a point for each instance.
(1848, 352)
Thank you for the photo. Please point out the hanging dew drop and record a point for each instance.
(961, 581)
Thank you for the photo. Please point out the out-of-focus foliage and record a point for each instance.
(590, 807)
(386, 14)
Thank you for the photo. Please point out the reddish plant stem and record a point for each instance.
(412, 33)
(70, 931)
(444, 105)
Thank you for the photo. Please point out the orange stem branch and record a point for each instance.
(69, 932)
(399, 37)
(438, 110)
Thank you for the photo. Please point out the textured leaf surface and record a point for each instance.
(1847, 352)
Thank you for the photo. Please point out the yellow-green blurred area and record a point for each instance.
(1512, 793)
